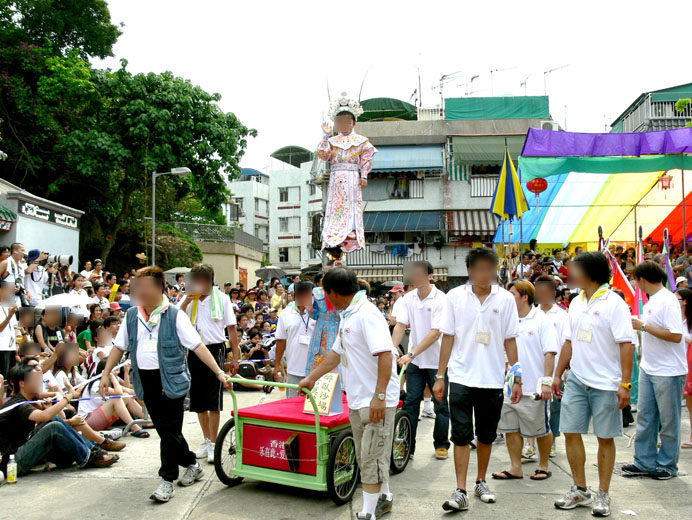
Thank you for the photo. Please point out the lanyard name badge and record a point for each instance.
(483, 326)
(585, 331)
(149, 344)
(304, 338)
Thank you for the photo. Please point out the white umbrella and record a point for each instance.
(269, 271)
(65, 300)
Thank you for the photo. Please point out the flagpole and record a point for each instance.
(684, 217)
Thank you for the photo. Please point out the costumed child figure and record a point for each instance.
(350, 157)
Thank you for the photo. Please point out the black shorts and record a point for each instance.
(206, 391)
(467, 403)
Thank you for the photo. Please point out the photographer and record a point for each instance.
(13, 270)
(36, 281)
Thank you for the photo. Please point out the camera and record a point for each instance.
(61, 260)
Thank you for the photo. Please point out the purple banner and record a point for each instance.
(549, 143)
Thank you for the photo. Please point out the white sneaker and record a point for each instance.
(553, 451)
(164, 492)
(191, 475)
(203, 450)
(210, 452)
(428, 414)
(528, 452)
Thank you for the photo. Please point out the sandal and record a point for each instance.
(506, 475)
(141, 434)
(686, 445)
(540, 474)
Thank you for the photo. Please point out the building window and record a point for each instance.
(283, 254)
(313, 253)
(258, 230)
(239, 202)
(283, 194)
(283, 224)
(313, 189)
(257, 204)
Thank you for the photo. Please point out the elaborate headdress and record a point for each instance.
(344, 104)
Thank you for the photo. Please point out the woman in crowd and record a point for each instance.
(279, 300)
(100, 415)
(85, 339)
(262, 304)
(272, 287)
(685, 299)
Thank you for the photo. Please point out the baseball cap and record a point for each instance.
(115, 306)
(87, 283)
(680, 279)
(397, 288)
(33, 255)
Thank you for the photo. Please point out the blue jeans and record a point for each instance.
(416, 379)
(56, 442)
(555, 406)
(659, 403)
(634, 394)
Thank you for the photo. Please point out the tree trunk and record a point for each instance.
(124, 211)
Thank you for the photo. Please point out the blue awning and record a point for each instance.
(408, 158)
(388, 221)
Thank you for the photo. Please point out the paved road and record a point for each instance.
(122, 491)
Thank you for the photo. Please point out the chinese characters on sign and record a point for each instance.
(30, 209)
(323, 392)
(275, 450)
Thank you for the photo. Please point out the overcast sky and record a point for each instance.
(271, 60)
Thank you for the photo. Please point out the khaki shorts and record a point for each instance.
(373, 444)
(528, 417)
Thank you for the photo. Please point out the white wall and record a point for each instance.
(55, 239)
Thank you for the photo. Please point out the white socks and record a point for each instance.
(370, 503)
(427, 404)
(384, 490)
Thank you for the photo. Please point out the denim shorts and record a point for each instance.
(581, 402)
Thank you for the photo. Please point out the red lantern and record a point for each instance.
(537, 186)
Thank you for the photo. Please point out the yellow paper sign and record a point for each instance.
(323, 392)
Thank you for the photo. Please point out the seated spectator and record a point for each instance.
(266, 329)
(253, 352)
(249, 311)
(47, 332)
(35, 435)
(100, 414)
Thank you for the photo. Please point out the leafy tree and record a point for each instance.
(681, 105)
(143, 123)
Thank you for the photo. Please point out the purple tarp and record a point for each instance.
(550, 143)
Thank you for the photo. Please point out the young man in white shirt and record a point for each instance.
(662, 377)
(8, 324)
(598, 349)
(424, 311)
(211, 313)
(36, 276)
(159, 338)
(546, 291)
(364, 349)
(293, 333)
(536, 345)
(481, 328)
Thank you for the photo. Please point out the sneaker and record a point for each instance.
(483, 492)
(528, 452)
(661, 474)
(191, 475)
(164, 492)
(575, 497)
(203, 450)
(111, 445)
(441, 453)
(364, 516)
(553, 451)
(428, 414)
(632, 470)
(210, 452)
(601, 506)
(383, 506)
(459, 501)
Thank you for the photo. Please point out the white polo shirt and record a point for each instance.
(537, 337)
(559, 319)
(363, 334)
(187, 335)
(480, 331)
(597, 328)
(423, 316)
(396, 308)
(212, 331)
(8, 339)
(659, 357)
(296, 329)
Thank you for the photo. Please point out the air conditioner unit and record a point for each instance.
(550, 125)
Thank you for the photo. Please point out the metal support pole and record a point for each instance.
(153, 218)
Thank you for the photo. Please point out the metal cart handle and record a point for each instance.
(241, 380)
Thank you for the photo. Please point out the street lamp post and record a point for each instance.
(181, 172)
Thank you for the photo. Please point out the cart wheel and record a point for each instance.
(401, 444)
(225, 454)
(342, 468)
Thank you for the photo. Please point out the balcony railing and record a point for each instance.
(375, 255)
(655, 115)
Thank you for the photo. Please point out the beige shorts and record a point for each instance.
(528, 417)
(373, 444)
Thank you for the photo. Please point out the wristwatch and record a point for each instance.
(643, 329)
(626, 386)
(220, 372)
(438, 377)
(381, 397)
(411, 354)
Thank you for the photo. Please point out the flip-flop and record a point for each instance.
(506, 475)
(535, 476)
(686, 445)
(141, 434)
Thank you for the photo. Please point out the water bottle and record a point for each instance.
(11, 471)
